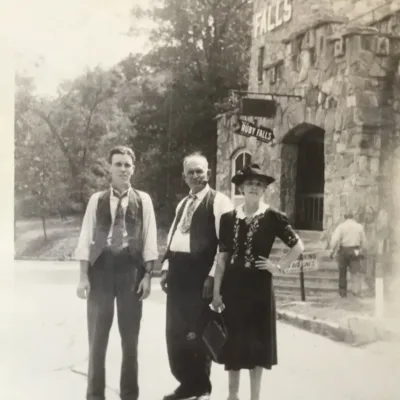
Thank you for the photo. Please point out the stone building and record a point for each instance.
(336, 145)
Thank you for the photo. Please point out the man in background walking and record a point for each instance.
(349, 243)
(117, 248)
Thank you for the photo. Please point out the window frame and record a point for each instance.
(260, 64)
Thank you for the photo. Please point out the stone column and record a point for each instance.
(393, 279)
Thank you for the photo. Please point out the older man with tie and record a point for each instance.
(187, 278)
(117, 248)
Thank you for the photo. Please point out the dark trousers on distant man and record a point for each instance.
(113, 277)
(187, 314)
(348, 260)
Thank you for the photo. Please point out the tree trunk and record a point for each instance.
(44, 227)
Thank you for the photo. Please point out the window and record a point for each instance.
(272, 77)
(276, 73)
(313, 56)
(260, 66)
(239, 161)
(321, 44)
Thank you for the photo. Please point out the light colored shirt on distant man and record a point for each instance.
(349, 233)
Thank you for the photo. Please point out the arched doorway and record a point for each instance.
(306, 175)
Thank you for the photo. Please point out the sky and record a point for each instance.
(58, 39)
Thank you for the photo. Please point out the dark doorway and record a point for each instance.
(310, 181)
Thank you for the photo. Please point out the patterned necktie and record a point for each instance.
(117, 239)
(185, 227)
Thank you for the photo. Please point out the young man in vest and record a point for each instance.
(117, 248)
(187, 278)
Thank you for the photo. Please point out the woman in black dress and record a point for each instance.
(243, 279)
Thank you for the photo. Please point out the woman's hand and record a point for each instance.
(265, 264)
(217, 304)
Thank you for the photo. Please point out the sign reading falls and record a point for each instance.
(250, 130)
(272, 16)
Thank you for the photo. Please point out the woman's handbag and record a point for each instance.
(215, 335)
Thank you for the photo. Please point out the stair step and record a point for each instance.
(308, 248)
(312, 236)
(326, 281)
(321, 265)
(308, 288)
(290, 297)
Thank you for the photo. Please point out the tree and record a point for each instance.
(201, 48)
(206, 46)
(40, 176)
(83, 121)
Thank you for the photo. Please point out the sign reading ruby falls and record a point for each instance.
(250, 130)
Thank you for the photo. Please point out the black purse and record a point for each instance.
(215, 335)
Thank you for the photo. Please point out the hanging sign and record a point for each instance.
(250, 130)
(265, 108)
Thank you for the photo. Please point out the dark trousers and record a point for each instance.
(113, 277)
(187, 313)
(347, 260)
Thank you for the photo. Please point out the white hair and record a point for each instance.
(195, 155)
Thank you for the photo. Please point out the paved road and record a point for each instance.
(44, 351)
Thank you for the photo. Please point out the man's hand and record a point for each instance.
(144, 287)
(83, 288)
(163, 281)
(208, 287)
(217, 303)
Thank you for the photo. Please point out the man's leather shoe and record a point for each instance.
(203, 397)
(171, 396)
(175, 396)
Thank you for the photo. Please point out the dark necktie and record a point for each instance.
(185, 227)
(117, 239)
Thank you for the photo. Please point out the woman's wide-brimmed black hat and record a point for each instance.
(250, 172)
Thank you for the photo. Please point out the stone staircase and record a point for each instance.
(321, 283)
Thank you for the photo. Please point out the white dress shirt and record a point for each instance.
(150, 250)
(349, 234)
(181, 241)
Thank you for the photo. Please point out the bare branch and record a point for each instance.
(56, 134)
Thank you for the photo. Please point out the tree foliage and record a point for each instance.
(161, 103)
(201, 48)
(70, 133)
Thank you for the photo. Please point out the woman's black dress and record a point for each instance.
(247, 292)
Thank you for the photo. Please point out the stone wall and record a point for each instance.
(393, 277)
(263, 154)
(309, 13)
(345, 93)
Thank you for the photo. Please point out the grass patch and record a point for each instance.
(334, 310)
(59, 245)
(62, 240)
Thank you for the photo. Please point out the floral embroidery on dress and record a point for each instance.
(253, 225)
(235, 240)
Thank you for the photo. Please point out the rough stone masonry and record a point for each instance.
(344, 63)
